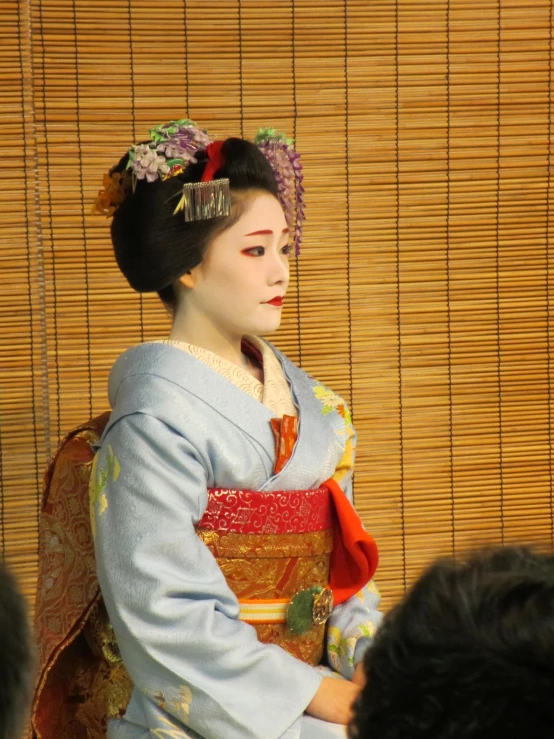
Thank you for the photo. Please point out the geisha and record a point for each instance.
(233, 568)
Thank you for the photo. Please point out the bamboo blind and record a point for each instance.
(423, 290)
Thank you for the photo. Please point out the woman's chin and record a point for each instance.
(264, 326)
(269, 328)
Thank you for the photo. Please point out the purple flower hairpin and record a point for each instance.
(286, 165)
(172, 148)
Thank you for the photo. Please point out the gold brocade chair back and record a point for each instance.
(81, 679)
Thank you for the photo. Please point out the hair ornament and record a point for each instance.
(285, 162)
(113, 193)
(202, 200)
(211, 197)
(173, 146)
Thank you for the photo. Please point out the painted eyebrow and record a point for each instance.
(267, 232)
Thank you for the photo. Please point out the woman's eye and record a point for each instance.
(287, 249)
(255, 251)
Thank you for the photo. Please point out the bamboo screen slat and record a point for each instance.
(21, 289)
(423, 293)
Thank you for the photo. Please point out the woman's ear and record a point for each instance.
(187, 280)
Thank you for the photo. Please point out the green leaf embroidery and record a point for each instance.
(99, 480)
(116, 468)
(102, 480)
(367, 629)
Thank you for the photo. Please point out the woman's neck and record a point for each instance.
(199, 331)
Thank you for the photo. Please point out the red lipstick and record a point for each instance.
(278, 301)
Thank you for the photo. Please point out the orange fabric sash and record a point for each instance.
(355, 557)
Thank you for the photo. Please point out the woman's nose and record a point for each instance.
(279, 271)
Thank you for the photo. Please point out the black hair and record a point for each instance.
(16, 657)
(468, 654)
(152, 246)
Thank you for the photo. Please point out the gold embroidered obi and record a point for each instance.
(271, 546)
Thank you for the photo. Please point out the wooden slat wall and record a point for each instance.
(423, 293)
(22, 324)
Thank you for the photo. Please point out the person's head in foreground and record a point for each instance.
(16, 658)
(467, 654)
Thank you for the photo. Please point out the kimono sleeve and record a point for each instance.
(352, 624)
(351, 628)
(175, 618)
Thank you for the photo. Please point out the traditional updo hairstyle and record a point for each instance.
(153, 247)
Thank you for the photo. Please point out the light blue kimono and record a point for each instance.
(178, 428)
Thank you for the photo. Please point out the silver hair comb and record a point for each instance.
(202, 200)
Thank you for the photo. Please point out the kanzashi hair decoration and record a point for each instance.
(203, 200)
(211, 197)
(285, 162)
(173, 146)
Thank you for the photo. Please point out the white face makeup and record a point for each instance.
(239, 287)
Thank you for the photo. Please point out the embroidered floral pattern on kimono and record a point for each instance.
(348, 637)
(99, 478)
(173, 733)
(340, 648)
(332, 402)
(179, 705)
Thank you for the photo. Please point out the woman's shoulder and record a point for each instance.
(146, 370)
(154, 381)
(145, 358)
(150, 358)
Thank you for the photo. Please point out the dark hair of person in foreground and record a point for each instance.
(467, 654)
(16, 658)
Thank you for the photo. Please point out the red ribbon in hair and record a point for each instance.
(215, 160)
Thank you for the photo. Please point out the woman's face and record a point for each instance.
(245, 268)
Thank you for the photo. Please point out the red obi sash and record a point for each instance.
(354, 557)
